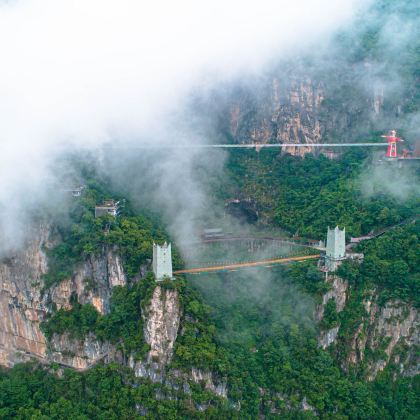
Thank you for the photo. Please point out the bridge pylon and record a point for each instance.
(162, 261)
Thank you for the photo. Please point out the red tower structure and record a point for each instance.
(392, 140)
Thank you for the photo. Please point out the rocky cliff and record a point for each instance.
(287, 110)
(308, 103)
(387, 333)
(22, 307)
(337, 292)
(162, 319)
(24, 304)
(161, 323)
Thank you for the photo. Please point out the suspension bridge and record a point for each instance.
(391, 144)
(231, 253)
(235, 267)
(257, 146)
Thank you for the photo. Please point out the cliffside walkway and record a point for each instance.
(373, 235)
(233, 267)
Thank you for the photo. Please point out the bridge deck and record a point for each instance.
(244, 265)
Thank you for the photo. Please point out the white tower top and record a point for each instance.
(336, 243)
(162, 261)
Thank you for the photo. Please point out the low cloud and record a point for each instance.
(395, 179)
(82, 74)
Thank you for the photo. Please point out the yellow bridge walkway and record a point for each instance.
(248, 264)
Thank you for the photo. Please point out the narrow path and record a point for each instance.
(244, 265)
(381, 232)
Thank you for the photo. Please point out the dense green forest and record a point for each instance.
(391, 264)
(305, 195)
(29, 391)
(255, 331)
(82, 235)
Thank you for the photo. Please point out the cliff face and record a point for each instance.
(385, 334)
(161, 323)
(162, 319)
(308, 104)
(288, 111)
(392, 335)
(23, 305)
(92, 282)
(337, 292)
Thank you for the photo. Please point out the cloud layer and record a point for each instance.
(83, 73)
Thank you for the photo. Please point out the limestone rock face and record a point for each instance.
(384, 332)
(338, 292)
(218, 387)
(162, 320)
(80, 354)
(296, 103)
(328, 337)
(22, 307)
(92, 282)
(161, 326)
(287, 111)
(23, 304)
(389, 327)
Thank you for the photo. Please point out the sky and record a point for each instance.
(80, 74)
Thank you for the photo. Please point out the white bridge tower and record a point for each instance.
(162, 261)
(336, 248)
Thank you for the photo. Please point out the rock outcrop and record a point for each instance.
(296, 103)
(22, 307)
(337, 292)
(162, 319)
(392, 327)
(388, 333)
(92, 282)
(24, 304)
(328, 337)
(161, 323)
(80, 354)
(286, 112)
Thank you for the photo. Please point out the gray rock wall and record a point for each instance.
(23, 305)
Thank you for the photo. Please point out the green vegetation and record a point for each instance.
(391, 264)
(28, 391)
(84, 236)
(196, 345)
(263, 325)
(370, 43)
(305, 195)
(330, 319)
(255, 330)
(122, 326)
(391, 267)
